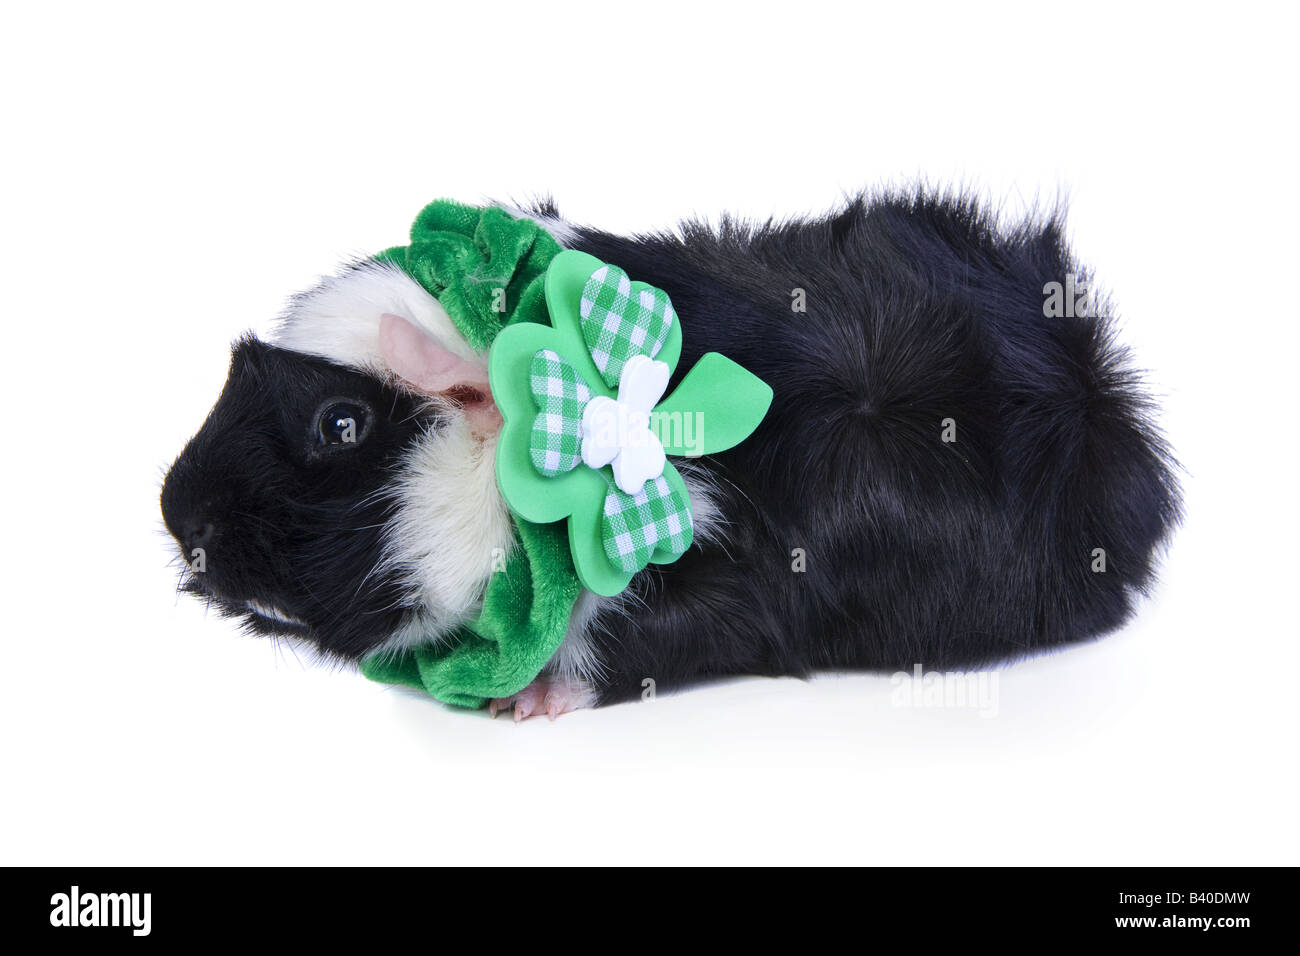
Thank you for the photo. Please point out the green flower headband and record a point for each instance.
(578, 370)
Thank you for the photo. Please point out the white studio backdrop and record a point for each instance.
(170, 176)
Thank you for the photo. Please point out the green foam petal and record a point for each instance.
(717, 406)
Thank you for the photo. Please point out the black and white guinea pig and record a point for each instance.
(953, 472)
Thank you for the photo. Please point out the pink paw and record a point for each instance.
(545, 695)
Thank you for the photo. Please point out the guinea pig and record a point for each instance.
(960, 466)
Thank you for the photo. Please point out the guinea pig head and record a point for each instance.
(342, 490)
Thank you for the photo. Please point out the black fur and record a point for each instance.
(284, 519)
(917, 550)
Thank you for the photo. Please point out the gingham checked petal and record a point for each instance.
(617, 324)
(555, 443)
(635, 525)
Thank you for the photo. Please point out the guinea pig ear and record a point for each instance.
(427, 366)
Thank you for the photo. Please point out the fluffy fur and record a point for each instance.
(339, 319)
(443, 545)
(919, 309)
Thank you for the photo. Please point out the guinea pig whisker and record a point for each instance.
(356, 592)
(365, 527)
(280, 644)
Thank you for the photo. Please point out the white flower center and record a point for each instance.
(618, 433)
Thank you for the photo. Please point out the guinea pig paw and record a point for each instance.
(544, 696)
(525, 703)
(562, 697)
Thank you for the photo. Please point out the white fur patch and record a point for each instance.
(272, 613)
(339, 319)
(706, 515)
(576, 660)
(452, 528)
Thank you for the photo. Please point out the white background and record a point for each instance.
(170, 177)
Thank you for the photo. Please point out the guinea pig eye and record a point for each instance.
(342, 423)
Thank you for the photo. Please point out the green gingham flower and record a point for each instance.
(656, 517)
(617, 325)
(637, 525)
(561, 394)
(607, 356)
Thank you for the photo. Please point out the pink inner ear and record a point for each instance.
(416, 356)
(418, 359)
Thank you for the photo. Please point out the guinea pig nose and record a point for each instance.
(197, 533)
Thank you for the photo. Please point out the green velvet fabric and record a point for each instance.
(486, 268)
(524, 619)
